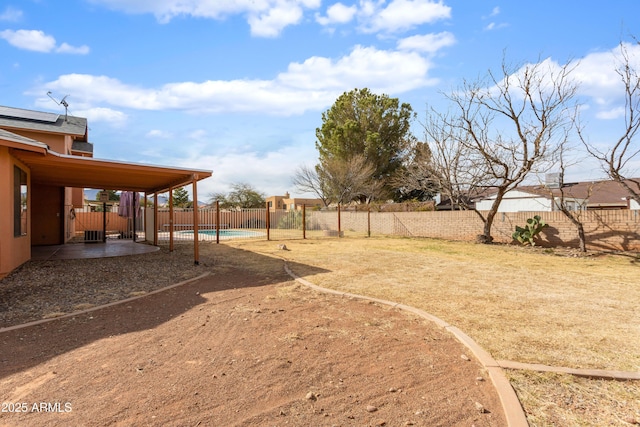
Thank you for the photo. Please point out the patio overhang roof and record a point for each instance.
(52, 168)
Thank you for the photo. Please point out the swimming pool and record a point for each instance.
(227, 233)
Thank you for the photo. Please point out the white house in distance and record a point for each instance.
(595, 195)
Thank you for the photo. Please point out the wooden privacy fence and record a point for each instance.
(614, 230)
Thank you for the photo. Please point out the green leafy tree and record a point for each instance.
(241, 196)
(113, 196)
(376, 127)
(415, 181)
(181, 198)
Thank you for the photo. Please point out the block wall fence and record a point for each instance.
(605, 230)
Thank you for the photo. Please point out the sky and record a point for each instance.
(238, 87)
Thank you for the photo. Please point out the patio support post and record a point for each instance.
(196, 221)
(217, 221)
(133, 210)
(170, 219)
(155, 219)
(267, 218)
(304, 221)
(104, 222)
(144, 217)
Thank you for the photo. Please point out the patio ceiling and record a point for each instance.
(51, 168)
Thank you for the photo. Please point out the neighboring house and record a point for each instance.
(595, 195)
(46, 160)
(289, 203)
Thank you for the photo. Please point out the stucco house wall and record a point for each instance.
(51, 206)
(14, 251)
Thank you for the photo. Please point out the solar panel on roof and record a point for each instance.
(18, 113)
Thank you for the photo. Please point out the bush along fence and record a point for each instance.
(604, 230)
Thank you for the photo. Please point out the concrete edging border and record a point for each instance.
(586, 373)
(511, 406)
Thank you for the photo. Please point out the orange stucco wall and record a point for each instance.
(14, 251)
(58, 143)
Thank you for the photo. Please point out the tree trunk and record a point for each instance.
(576, 221)
(581, 237)
(485, 237)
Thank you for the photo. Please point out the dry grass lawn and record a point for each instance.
(520, 304)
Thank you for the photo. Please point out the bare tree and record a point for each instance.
(507, 128)
(340, 181)
(348, 180)
(307, 180)
(453, 168)
(617, 160)
(567, 203)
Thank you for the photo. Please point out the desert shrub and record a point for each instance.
(526, 235)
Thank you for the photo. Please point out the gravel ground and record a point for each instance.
(44, 289)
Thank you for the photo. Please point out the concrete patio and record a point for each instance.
(112, 248)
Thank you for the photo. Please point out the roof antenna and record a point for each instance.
(62, 102)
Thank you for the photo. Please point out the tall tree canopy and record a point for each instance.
(241, 196)
(181, 198)
(376, 127)
(113, 196)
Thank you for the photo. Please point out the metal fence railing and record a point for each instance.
(97, 224)
(214, 225)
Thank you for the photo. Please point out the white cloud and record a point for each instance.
(273, 21)
(596, 74)
(379, 70)
(34, 40)
(615, 113)
(269, 172)
(401, 15)
(11, 14)
(600, 89)
(198, 134)
(337, 13)
(267, 18)
(494, 26)
(66, 48)
(38, 41)
(428, 43)
(157, 133)
(101, 114)
(311, 85)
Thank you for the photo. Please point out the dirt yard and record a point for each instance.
(241, 349)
